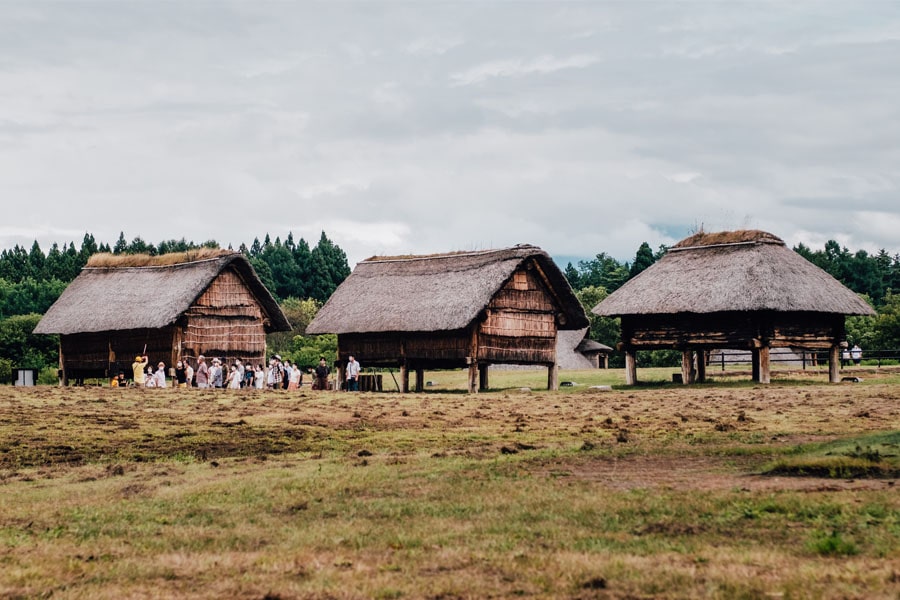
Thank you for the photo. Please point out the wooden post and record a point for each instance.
(420, 379)
(687, 366)
(754, 359)
(701, 366)
(553, 377)
(473, 376)
(404, 378)
(764, 365)
(472, 359)
(483, 378)
(605, 361)
(630, 367)
(63, 379)
(834, 364)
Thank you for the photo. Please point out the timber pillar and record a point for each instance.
(687, 366)
(420, 379)
(762, 372)
(630, 367)
(483, 378)
(834, 364)
(473, 376)
(553, 377)
(404, 378)
(701, 366)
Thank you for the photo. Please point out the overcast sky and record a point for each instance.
(434, 126)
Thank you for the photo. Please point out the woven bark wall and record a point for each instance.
(225, 321)
(520, 324)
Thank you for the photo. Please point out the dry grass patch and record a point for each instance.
(652, 493)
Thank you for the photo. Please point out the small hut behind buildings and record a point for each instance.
(177, 306)
(466, 309)
(742, 290)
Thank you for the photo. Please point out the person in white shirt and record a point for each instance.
(160, 375)
(352, 375)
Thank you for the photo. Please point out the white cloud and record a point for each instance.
(520, 68)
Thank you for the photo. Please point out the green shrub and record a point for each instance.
(833, 545)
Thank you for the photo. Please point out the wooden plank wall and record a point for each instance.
(225, 321)
(520, 324)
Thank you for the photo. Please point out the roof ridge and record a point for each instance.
(461, 254)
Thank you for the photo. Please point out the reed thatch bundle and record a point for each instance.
(440, 292)
(740, 271)
(142, 292)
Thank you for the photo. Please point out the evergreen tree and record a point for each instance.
(642, 259)
(121, 245)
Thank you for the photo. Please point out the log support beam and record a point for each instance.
(483, 377)
(687, 366)
(701, 366)
(762, 372)
(473, 377)
(553, 377)
(630, 367)
(404, 378)
(420, 379)
(834, 364)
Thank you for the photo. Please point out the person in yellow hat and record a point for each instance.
(139, 367)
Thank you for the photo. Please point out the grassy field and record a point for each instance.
(661, 491)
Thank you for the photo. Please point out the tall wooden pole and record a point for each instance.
(483, 377)
(687, 366)
(754, 360)
(765, 372)
(630, 367)
(701, 366)
(834, 364)
(420, 379)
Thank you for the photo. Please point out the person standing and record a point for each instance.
(295, 376)
(216, 377)
(180, 374)
(160, 375)
(259, 377)
(352, 374)
(189, 374)
(202, 372)
(137, 368)
(322, 375)
(856, 354)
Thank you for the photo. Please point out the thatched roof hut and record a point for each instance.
(178, 305)
(737, 289)
(452, 310)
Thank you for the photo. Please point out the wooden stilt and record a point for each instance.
(765, 373)
(687, 366)
(420, 379)
(754, 360)
(404, 378)
(473, 377)
(553, 377)
(834, 364)
(483, 378)
(701, 366)
(630, 367)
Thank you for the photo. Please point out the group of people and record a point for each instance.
(848, 354)
(280, 374)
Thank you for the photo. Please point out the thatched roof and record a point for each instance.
(440, 292)
(113, 293)
(732, 271)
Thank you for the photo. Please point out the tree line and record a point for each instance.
(302, 278)
(31, 281)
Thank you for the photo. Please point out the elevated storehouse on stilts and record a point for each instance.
(466, 309)
(740, 290)
(178, 306)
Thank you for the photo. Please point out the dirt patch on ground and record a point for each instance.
(698, 473)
